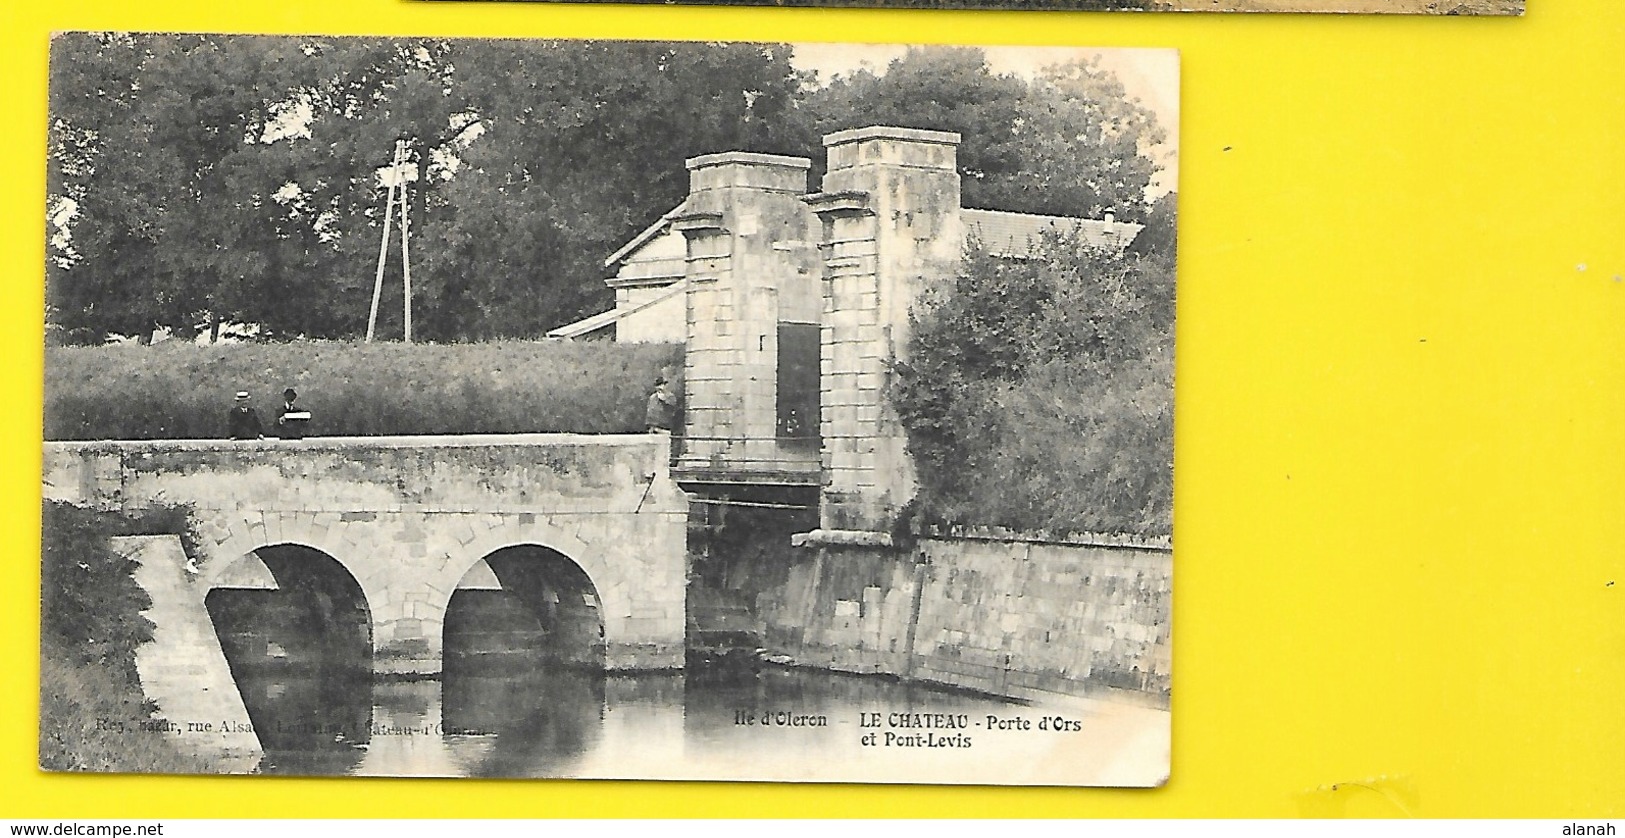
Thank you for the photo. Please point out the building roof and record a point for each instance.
(1016, 234)
(588, 325)
(645, 235)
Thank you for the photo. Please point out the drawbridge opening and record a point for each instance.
(297, 634)
(739, 547)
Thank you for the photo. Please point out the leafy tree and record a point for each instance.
(159, 142)
(1083, 146)
(583, 145)
(201, 180)
(1067, 142)
(1159, 233)
(95, 131)
(1038, 393)
(237, 178)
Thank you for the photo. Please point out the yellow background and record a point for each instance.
(1400, 496)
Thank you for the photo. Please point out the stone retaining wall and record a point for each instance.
(1002, 614)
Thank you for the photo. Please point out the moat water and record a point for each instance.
(505, 706)
(712, 721)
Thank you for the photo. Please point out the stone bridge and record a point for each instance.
(413, 519)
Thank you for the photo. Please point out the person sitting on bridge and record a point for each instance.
(662, 407)
(242, 422)
(291, 420)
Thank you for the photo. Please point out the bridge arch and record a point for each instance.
(296, 630)
(292, 570)
(540, 540)
(527, 604)
(245, 534)
(593, 560)
(230, 563)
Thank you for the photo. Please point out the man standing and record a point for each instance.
(662, 407)
(291, 420)
(242, 422)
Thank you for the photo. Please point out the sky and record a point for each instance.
(1149, 75)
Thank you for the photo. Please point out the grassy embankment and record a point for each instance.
(90, 627)
(181, 391)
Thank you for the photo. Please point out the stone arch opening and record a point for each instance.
(296, 630)
(524, 603)
(523, 656)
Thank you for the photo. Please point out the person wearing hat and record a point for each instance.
(242, 422)
(662, 407)
(291, 419)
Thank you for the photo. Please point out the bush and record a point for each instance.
(182, 391)
(90, 626)
(90, 605)
(1038, 394)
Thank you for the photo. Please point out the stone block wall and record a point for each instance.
(1014, 617)
(854, 352)
(1007, 615)
(182, 668)
(890, 207)
(847, 609)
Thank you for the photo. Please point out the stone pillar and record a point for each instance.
(749, 238)
(708, 393)
(891, 221)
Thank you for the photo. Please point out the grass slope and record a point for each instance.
(181, 391)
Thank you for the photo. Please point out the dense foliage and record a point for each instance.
(205, 180)
(1038, 394)
(1068, 141)
(90, 606)
(90, 626)
(180, 391)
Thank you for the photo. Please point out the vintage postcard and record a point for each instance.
(1399, 7)
(597, 409)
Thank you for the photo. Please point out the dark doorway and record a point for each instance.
(798, 385)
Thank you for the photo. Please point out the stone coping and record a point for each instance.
(326, 443)
(870, 538)
(886, 132)
(1161, 544)
(753, 158)
(841, 538)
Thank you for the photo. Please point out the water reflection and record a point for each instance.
(509, 705)
(535, 719)
(528, 722)
(309, 723)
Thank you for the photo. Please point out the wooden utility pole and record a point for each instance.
(406, 261)
(397, 183)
